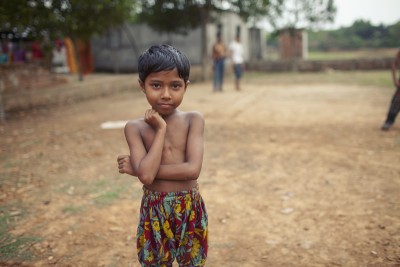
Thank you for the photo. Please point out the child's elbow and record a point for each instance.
(146, 179)
(194, 174)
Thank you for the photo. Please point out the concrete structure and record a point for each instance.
(293, 42)
(118, 50)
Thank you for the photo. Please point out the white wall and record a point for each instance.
(114, 52)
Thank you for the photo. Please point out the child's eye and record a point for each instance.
(176, 86)
(155, 85)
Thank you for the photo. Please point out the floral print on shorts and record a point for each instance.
(172, 225)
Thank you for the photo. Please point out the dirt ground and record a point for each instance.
(293, 175)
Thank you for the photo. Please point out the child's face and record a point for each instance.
(164, 91)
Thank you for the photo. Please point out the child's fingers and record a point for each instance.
(148, 114)
(122, 167)
(122, 157)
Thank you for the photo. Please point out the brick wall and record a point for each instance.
(26, 76)
(16, 79)
(291, 43)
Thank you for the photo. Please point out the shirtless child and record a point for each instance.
(166, 154)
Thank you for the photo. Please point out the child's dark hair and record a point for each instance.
(163, 58)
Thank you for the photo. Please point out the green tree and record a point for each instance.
(362, 34)
(393, 35)
(362, 29)
(180, 16)
(292, 15)
(77, 19)
(82, 19)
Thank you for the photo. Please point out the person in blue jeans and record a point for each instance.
(394, 107)
(218, 55)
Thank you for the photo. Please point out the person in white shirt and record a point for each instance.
(236, 54)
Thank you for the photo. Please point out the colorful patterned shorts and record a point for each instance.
(172, 225)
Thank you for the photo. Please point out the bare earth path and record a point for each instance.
(293, 175)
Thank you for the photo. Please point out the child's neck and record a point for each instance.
(165, 117)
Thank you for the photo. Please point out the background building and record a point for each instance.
(293, 42)
(118, 50)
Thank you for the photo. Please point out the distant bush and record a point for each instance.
(362, 34)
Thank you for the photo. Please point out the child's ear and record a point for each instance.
(141, 83)
(186, 84)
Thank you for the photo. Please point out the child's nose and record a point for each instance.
(166, 93)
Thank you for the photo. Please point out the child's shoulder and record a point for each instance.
(135, 124)
(192, 115)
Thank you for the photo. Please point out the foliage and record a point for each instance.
(296, 14)
(25, 18)
(253, 10)
(190, 14)
(82, 19)
(158, 15)
(73, 18)
(362, 34)
(292, 15)
(272, 39)
(179, 16)
(50, 19)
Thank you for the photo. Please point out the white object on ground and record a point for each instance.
(113, 124)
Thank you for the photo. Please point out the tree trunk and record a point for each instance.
(204, 41)
(204, 55)
(2, 109)
(293, 58)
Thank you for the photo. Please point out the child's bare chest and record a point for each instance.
(175, 141)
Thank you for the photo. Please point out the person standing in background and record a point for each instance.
(236, 54)
(394, 107)
(218, 56)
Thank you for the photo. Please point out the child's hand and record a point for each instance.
(154, 119)
(124, 165)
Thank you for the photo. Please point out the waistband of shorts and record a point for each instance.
(149, 193)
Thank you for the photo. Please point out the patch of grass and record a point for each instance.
(108, 190)
(9, 164)
(330, 56)
(101, 183)
(397, 141)
(98, 185)
(16, 248)
(365, 53)
(102, 192)
(3, 177)
(379, 78)
(73, 209)
(30, 143)
(353, 54)
(109, 197)
(3, 225)
(13, 247)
